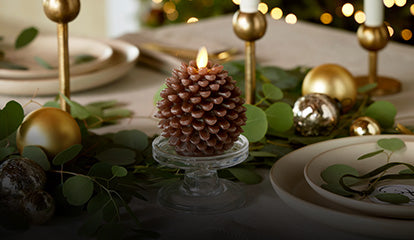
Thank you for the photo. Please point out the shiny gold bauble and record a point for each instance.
(364, 126)
(334, 81)
(51, 129)
(249, 26)
(373, 38)
(61, 11)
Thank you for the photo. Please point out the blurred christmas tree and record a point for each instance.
(348, 15)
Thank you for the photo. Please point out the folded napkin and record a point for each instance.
(181, 46)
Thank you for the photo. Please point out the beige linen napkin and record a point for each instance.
(148, 40)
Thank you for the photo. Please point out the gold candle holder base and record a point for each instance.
(385, 85)
(374, 39)
(249, 27)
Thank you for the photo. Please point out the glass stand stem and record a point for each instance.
(201, 182)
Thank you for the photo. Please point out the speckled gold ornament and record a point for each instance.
(51, 129)
(334, 81)
(364, 126)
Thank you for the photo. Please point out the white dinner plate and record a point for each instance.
(288, 181)
(348, 155)
(45, 47)
(122, 60)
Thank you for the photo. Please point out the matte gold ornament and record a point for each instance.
(52, 129)
(364, 126)
(334, 81)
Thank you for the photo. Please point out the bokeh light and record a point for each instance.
(169, 7)
(412, 9)
(388, 3)
(400, 3)
(406, 34)
(347, 9)
(359, 17)
(291, 18)
(157, 1)
(326, 18)
(192, 20)
(237, 2)
(263, 7)
(276, 13)
(390, 30)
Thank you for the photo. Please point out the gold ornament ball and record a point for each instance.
(334, 81)
(52, 129)
(61, 11)
(364, 126)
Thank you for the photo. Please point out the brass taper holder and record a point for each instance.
(374, 39)
(249, 27)
(62, 12)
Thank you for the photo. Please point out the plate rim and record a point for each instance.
(350, 221)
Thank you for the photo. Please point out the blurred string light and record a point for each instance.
(192, 20)
(291, 18)
(157, 1)
(237, 2)
(359, 17)
(276, 13)
(347, 9)
(326, 18)
(388, 3)
(400, 3)
(263, 7)
(412, 9)
(406, 34)
(390, 30)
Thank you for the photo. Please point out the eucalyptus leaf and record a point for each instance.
(157, 96)
(78, 190)
(54, 104)
(382, 111)
(119, 171)
(5, 152)
(98, 202)
(117, 156)
(262, 154)
(43, 63)
(371, 154)
(368, 87)
(393, 198)
(337, 189)
(272, 92)
(103, 104)
(83, 58)
(116, 113)
(10, 65)
(279, 77)
(280, 116)
(245, 175)
(11, 116)
(110, 211)
(36, 154)
(25, 37)
(406, 171)
(256, 124)
(101, 169)
(333, 173)
(391, 144)
(67, 154)
(77, 110)
(133, 139)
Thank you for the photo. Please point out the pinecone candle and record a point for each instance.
(201, 111)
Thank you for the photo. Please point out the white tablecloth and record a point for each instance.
(265, 216)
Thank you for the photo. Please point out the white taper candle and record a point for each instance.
(249, 6)
(374, 13)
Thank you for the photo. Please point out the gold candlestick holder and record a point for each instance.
(374, 39)
(62, 12)
(249, 27)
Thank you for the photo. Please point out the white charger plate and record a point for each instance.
(348, 155)
(122, 60)
(45, 47)
(288, 181)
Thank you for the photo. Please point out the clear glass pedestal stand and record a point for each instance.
(201, 191)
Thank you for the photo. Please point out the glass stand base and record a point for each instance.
(175, 197)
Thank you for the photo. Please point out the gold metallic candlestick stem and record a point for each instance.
(249, 27)
(62, 12)
(374, 39)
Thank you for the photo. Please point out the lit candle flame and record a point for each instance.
(202, 57)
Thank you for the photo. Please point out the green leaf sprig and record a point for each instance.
(340, 178)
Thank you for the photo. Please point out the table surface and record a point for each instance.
(265, 215)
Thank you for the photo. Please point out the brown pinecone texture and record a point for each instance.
(201, 110)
